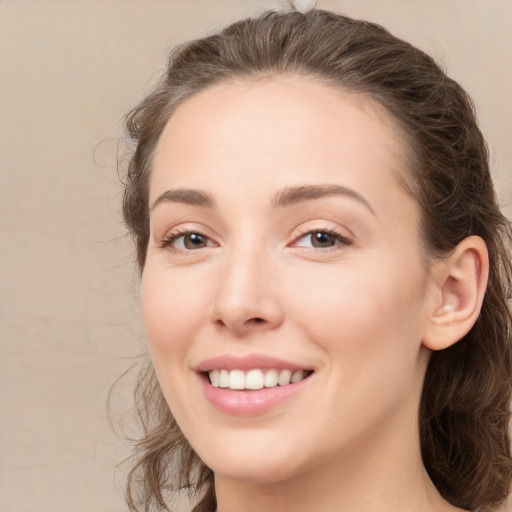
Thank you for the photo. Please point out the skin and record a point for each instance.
(358, 312)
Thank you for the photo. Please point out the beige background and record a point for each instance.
(68, 308)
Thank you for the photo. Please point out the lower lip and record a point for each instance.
(250, 402)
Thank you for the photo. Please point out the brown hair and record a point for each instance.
(465, 407)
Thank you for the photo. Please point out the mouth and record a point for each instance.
(253, 384)
(255, 379)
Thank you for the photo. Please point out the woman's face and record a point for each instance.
(282, 245)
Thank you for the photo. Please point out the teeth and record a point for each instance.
(297, 376)
(284, 377)
(236, 379)
(223, 379)
(271, 379)
(254, 379)
(214, 378)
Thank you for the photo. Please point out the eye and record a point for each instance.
(322, 239)
(188, 241)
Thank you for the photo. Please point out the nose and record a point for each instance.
(247, 295)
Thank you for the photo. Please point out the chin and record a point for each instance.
(251, 461)
(271, 472)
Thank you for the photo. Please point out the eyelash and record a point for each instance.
(342, 240)
(171, 238)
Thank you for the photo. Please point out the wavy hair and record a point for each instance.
(465, 405)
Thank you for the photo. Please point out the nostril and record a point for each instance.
(251, 321)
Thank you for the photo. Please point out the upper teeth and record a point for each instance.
(254, 379)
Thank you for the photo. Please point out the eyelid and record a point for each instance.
(343, 239)
(167, 240)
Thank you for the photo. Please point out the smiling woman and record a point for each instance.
(324, 277)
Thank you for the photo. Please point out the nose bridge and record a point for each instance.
(245, 297)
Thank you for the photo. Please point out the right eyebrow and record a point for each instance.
(186, 196)
(294, 195)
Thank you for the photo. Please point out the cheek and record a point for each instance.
(369, 329)
(367, 314)
(171, 310)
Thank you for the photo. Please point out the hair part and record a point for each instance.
(465, 406)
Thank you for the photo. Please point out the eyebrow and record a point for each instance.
(287, 197)
(295, 195)
(186, 196)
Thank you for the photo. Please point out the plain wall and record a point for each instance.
(70, 325)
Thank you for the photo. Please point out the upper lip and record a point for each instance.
(248, 362)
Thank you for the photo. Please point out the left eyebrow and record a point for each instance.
(185, 196)
(294, 195)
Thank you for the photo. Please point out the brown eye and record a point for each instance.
(187, 241)
(194, 241)
(321, 240)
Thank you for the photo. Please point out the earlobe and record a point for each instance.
(461, 280)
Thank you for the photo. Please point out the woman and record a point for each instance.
(324, 277)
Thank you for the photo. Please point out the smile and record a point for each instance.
(251, 384)
(255, 379)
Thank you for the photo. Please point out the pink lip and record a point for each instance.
(230, 362)
(248, 402)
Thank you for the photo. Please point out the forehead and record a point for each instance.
(278, 131)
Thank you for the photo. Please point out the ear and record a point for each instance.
(460, 281)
